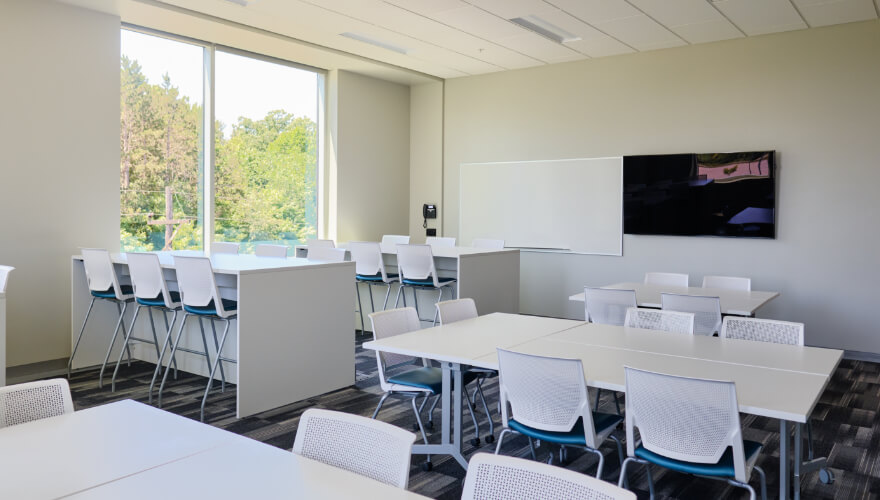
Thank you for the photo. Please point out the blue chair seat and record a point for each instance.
(159, 301)
(428, 377)
(426, 282)
(111, 294)
(724, 467)
(370, 277)
(575, 437)
(210, 309)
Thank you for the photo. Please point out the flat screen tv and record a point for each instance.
(718, 194)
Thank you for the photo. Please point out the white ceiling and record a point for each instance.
(453, 38)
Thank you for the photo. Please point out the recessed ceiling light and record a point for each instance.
(545, 29)
(373, 41)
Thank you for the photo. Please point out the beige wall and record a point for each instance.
(811, 95)
(59, 137)
(425, 157)
(372, 158)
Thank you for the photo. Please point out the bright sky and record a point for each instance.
(244, 86)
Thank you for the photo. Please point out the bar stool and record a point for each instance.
(417, 271)
(150, 291)
(370, 269)
(201, 298)
(103, 284)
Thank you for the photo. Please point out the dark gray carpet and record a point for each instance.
(845, 425)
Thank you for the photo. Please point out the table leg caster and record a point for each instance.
(427, 466)
(490, 439)
(826, 476)
(475, 442)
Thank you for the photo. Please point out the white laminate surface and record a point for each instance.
(734, 302)
(245, 469)
(232, 263)
(745, 352)
(444, 252)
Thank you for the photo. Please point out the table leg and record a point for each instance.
(798, 459)
(457, 395)
(450, 422)
(784, 443)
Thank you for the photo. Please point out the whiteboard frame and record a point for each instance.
(549, 250)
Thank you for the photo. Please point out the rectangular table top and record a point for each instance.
(235, 263)
(736, 302)
(437, 251)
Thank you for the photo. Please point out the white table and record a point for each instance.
(293, 337)
(489, 276)
(734, 302)
(776, 381)
(134, 451)
(2, 339)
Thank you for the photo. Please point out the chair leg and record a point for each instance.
(501, 439)
(78, 338)
(357, 292)
(112, 343)
(173, 352)
(153, 328)
(763, 479)
(397, 300)
(415, 292)
(431, 411)
(622, 481)
(162, 354)
(532, 449)
(598, 396)
(421, 427)
(485, 407)
(437, 311)
(601, 462)
(207, 352)
(372, 305)
(122, 313)
(616, 402)
(379, 406)
(125, 341)
(222, 375)
(387, 293)
(168, 333)
(217, 362)
(650, 480)
(470, 407)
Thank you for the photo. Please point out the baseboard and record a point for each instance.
(36, 371)
(862, 356)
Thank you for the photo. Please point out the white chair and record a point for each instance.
(549, 401)
(395, 239)
(425, 381)
(607, 306)
(276, 251)
(358, 444)
(316, 243)
(103, 284)
(655, 319)
(488, 243)
(417, 272)
(4, 277)
(326, 254)
(369, 268)
(728, 283)
(22, 403)
(150, 291)
(224, 247)
(493, 477)
(688, 425)
(201, 298)
(667, 279)
(762, 330)
(438, 241)
(707, 310)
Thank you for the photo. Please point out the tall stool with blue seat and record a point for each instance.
(103, 285)
(546, 398)
(201, 298)
(688, 425)
(151, 292)
(370, 269)
(417, 272)
(398, 376)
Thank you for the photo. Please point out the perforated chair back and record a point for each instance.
(395, 239)
(667, 279)
(728, 283)
(654, 319)
(488, 243)
(367, 257)
(545, 393)
(439, 241)
(607, 306)
(358, 444)
(451, 311)
(763, 330)
(388, 324)
(100, 273)
(707, 310)
(494, 477)
(315, 243)
(4, 277)
(225, 247)
(147, 277)
(23, 403)
(198, 287)
(327, 254)
(416, 262)
(683, 418)
(276, 251)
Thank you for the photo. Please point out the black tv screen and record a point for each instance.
(717, 194)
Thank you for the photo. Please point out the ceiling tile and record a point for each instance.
(478, 22)
(600, 47)
(508, 9)
(597, 11)
(641, 32)
(678, 12)
(427, 7)
(757, 17)
(825, 12)
(540, 48)
(711, 31)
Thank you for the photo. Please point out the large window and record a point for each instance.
(256, 182)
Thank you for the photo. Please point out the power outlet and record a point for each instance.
(431, 232)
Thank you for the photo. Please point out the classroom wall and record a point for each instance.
(425, 157)
(59, 167)
(811, 95)
(372, 158)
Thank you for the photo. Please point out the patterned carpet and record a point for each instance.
(845, 425)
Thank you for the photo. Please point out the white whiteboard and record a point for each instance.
(574, 205)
